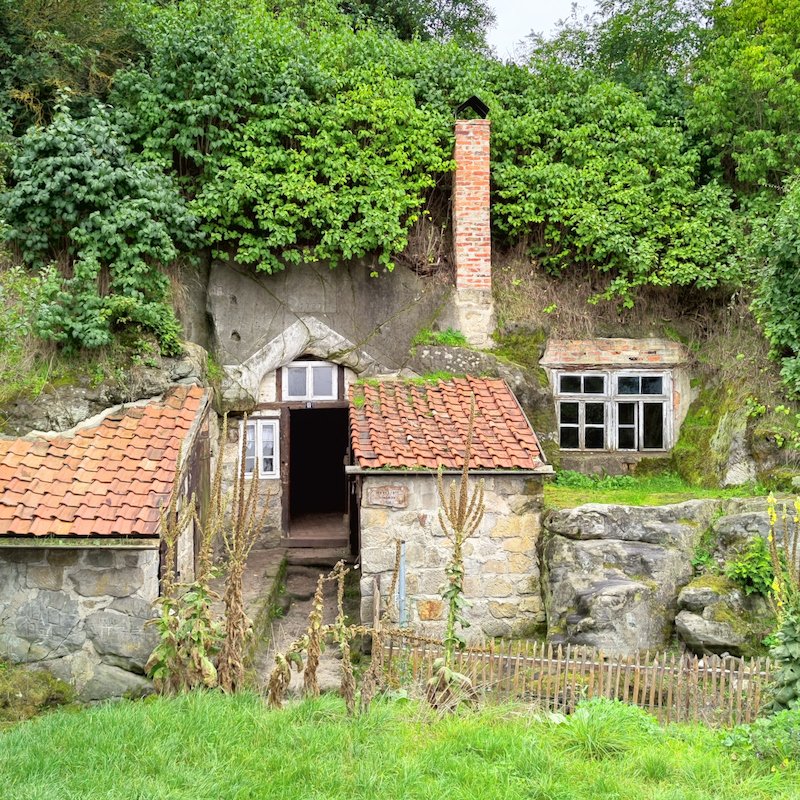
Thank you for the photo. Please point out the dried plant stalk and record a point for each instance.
(247, 519)
(315, 640)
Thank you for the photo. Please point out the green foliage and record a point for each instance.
(775, 739)
(786, 652)
(602, 728)
(294, 146)
(78, 195)
(746, 101)
(27, 692)
(586, 173)
(752, 570)
(446, 338)
(578, 480)
(777, 304)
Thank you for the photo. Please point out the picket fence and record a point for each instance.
(674, 687)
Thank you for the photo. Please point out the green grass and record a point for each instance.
(446, 338)
(213, 747)
(571, 489)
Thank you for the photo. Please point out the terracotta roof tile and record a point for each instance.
(107, 480)
(410, 425)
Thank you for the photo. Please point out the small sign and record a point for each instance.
(387, 496)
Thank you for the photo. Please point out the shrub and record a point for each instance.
(602, 728)
(752, 571)
(775, 738)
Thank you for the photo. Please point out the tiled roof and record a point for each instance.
(108, 480)
(635, 353)
(405, 424)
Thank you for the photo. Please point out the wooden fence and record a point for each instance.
(675, 688)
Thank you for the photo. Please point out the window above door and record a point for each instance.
(310, 380)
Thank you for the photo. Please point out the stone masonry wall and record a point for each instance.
(80, 613)
(502, 571)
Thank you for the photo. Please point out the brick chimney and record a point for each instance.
(472, 310)
(471, 233)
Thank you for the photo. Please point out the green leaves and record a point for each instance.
(81, 199)
(585, 173)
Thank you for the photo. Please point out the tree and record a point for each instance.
(747, 96)
(465, 21)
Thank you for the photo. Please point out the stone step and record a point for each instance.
(318, 542)
(323, 557)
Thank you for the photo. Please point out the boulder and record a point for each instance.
(109, 681)
(702, 634)
(50, 622)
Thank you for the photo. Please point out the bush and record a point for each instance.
(602, 728)
(775, 738)
(81, 198)
(26, 692)
(752, 571)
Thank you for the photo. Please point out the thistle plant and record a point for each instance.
(189, 636)
(786, 599)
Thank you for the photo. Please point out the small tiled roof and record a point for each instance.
(634, 353)
(107, 480)
(407, 424)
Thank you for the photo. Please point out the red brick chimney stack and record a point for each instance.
(471, 232)
(471, 309)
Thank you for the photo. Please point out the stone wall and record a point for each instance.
(502, 571)
(80, 613)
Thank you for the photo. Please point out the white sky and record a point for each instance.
(517, 18)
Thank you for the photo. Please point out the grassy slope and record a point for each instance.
(653, 490)
(216, 747)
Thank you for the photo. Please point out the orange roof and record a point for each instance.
(108, 480)
(405, 424)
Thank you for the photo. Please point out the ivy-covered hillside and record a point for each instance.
(653, 144)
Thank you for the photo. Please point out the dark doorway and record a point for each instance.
(318, 445)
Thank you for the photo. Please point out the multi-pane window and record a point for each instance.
(262, 448)
(613, 410)
(310, 380)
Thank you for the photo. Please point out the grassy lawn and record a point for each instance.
(208, 746)
(570, 489)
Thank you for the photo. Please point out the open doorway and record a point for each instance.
(318, 441)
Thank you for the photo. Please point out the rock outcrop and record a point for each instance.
(620, 578)
(613, 573)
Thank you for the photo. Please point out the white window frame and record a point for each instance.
(611, 398)
(309, 395)
(259, 425)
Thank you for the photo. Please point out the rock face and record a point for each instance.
(613, 573)
(63, 407)
(81, 613)
(620, 578)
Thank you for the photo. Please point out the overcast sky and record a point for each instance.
(517, 18)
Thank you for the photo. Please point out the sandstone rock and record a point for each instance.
(45, 577)
(109, 681)
(613, 573)
(709, 636)
(705, 591)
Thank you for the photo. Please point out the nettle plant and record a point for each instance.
(100, 225)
